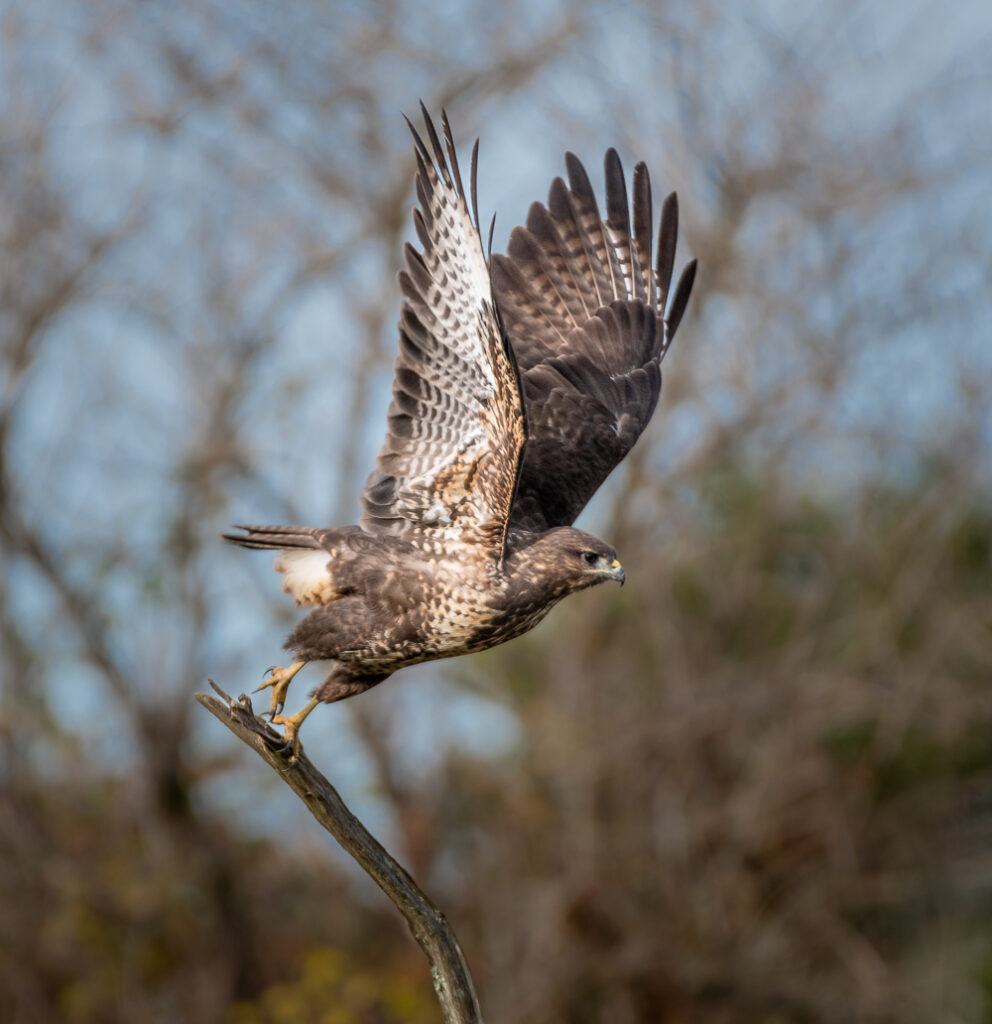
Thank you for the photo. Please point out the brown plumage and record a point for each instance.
(519, 385)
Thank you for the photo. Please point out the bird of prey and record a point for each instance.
(521, 382)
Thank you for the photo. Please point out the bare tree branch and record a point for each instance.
(452, 979)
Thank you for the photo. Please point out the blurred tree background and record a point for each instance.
(756, 785)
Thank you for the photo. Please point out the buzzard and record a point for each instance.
(521, 382)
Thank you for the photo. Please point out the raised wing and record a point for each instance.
(455, 427)
(587, 318)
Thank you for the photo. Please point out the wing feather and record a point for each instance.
(618, 223)
(455, 428)
(586, 315)
(679, 301)
(668, 234)
(591, 230)
(643, 229)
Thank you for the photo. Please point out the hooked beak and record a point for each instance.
(615, 572)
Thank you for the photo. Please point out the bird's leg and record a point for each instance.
(279, 679)
(292, 723)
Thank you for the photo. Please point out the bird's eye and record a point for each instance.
(590, 557)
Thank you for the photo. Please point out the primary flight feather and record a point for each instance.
(520, 383)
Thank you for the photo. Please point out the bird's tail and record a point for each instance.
(275, 538)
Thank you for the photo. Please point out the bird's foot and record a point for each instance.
(291, 728)
(279, 679)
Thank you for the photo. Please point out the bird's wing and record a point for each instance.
(590, 321)
(455, 427)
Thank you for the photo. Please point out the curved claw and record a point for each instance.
(291, 727)
(279, 679)
(270, 676)
(291, 746)
(279, 744)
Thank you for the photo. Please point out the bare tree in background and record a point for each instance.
(201, 213)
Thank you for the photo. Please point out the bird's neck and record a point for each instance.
(532, 571)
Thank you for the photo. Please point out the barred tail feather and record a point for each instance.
(275, 538)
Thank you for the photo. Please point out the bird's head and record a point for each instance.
(571, 560)
(595, 560)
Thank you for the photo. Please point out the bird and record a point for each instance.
(522, 380)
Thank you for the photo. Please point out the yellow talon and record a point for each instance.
(291, 726)
(279, 679)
